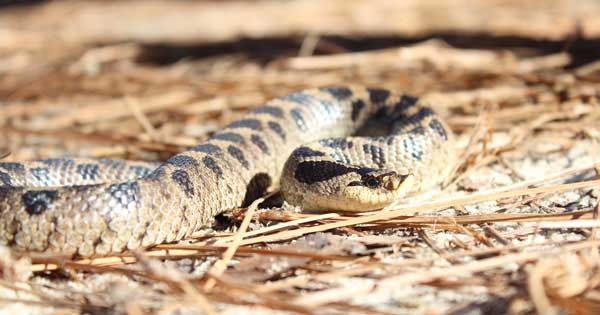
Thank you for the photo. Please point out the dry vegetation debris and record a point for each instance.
(514, 230)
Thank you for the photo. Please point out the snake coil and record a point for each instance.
(91, 207)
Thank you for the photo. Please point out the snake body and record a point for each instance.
(90, 207)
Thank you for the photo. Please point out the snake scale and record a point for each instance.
(89, 207)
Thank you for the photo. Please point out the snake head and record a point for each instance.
(374, 190)
(333, 186)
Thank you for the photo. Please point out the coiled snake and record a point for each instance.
(90, 207)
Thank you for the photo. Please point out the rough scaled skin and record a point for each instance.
(329, 174)
(97, 207)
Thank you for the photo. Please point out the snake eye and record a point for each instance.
(372, 182)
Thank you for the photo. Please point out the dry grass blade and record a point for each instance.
(413, 278)
(282, 226)
(219, 266)
(413, 209)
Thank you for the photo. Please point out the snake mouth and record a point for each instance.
(357, 198)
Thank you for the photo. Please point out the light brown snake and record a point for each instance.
(90, 207)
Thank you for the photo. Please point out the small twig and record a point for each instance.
(219, 267)
(280, 226)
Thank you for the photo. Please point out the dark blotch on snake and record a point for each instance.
(181, 160)
(88, 171)
(238, 155)
(63, 163)
(5, 179)
(140, 171)
(270, 110)
(307, 152)
(182, 178)
(417, 118)
(437, 126)
(41, 173)
(114, 164)
(156, 174)
(276, 127)
(256, 188)
(38, 201)
(365, 171)
(337, 143)
(366, 148)
(310, 172)
(341, 93)
(406, 101)
(299, 98)
(253, 124)
(208, 148)
(229, 136)
(306, 99)
(125, 193)
(299, 119)
(212, 165)
(378, 96)
(260, 143)
(357, 107)
(13, 167)
(340, 157)
(414, 148)
(376, 153)
(419, 130)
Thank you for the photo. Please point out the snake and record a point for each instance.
(335, 148)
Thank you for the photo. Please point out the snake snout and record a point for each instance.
(392, 182)
(400, 183)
